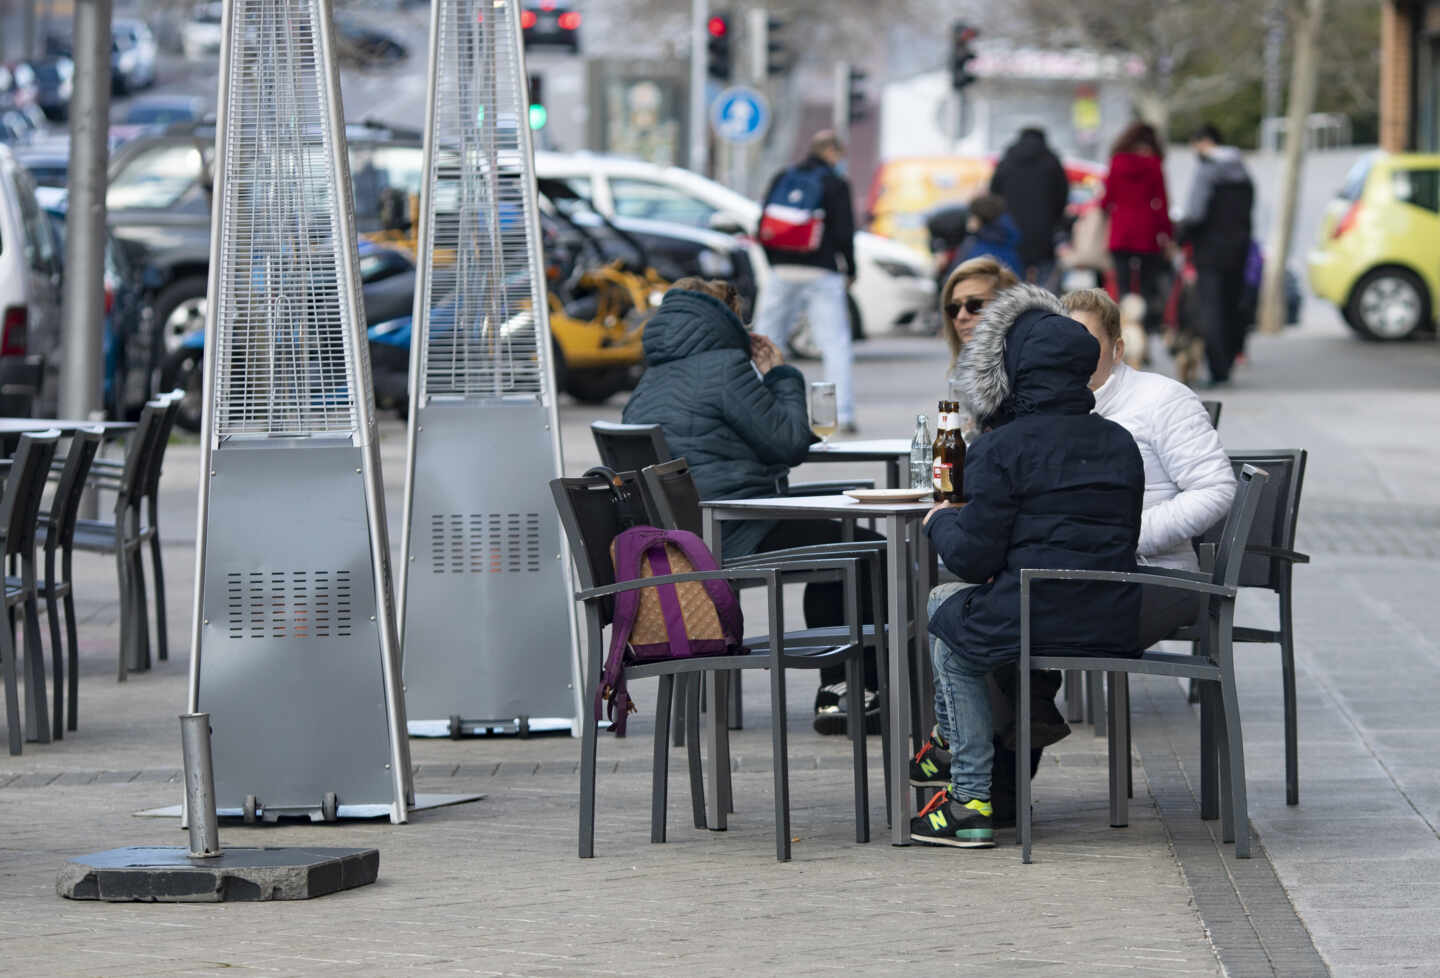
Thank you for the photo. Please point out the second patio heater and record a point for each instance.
(485, 610)
(294, 651)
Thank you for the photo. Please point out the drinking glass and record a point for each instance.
(822, 409)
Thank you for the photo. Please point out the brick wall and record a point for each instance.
(1396, 69)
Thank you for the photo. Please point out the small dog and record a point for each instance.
(1182, 340)
(1132, 330)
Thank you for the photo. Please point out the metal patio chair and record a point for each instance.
(19, 509)
(21, 381)
(592, 518)
(58, 585)
(1214, 667)
(1212, 409)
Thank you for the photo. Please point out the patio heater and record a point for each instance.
(295, 655)
(485, 611)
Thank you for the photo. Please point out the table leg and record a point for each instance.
(897, 559)
(712, 540)
(927, 577)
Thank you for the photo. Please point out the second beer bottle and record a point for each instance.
(949, 456)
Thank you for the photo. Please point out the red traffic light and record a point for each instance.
(718, 26)
(569, 21)
(527, 19)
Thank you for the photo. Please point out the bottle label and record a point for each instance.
(944, 423)
(941, 478)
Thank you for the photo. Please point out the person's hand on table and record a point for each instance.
(945, 504)
(765, 353)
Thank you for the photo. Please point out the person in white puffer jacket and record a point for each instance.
(1189, 482)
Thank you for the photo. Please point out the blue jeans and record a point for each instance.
(822, 299)
(962, 711)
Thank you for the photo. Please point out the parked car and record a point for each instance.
(549, 23)
(132, 56)
(892, 285)
(200, 36)
(1375, 258)
(47, 161)
(359, 43)
(29, 271)
(156, 113)
(55, 81)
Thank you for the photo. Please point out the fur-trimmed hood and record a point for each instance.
(1027, 357)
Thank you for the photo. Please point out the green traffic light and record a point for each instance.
(538, 116)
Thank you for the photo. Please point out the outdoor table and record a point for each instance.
(894, 452)
(910, 574)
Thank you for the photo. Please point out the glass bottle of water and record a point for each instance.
(921, 455)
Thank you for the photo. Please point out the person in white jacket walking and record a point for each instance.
(1189, 483)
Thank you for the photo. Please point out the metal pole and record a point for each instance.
(699, 50)
(199, 785)
(840, 111)
(84, 297)
(29, 28)
(757, 23)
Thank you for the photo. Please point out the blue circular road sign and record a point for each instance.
(740, 115)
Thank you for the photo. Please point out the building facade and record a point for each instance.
(1410, 76)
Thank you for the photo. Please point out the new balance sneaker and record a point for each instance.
(945, 822)
(930, 768)
(832, 711)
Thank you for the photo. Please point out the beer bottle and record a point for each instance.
(955, 448)
(941, 472)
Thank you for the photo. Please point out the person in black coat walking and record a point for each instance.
(1048, 484)
(732, 408)
(1032, 180)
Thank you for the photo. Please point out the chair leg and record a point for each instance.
(127, 624)
(1074, 696)
(1022, 765)
(737, 709)
(855, 696)
(57, 659)
(719, 754)
(72, 644)
(882, 667)
(162, 630)
(1095, 684)
(692, 748)
(1118, 712)
(1235, 744)
(728, 682)
(589, 735)
(678, 707)
(37, 711)
(1292, 724)
(1227, 797)
(12, 689)
(138, 593)
(780, 749)
(660, 772)
(1209, 753)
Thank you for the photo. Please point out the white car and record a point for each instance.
(893, 285)
(200, 35)
(30, 262)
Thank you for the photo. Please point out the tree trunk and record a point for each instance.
(1306, 23)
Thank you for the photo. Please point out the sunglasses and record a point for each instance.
(971, 305)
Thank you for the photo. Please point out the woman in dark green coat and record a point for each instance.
(732, 408)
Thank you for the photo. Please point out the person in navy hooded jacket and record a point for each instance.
(1047, 484)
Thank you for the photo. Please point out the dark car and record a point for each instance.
(551, 24)
(55, 84)
(360, 44)
(48, 161)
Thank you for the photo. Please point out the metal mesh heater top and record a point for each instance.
(479, 326)
(285, 314)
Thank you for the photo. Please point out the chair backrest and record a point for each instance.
(24, 488)
(629, 447)
(673, 496)
(65, 507)
(142, 445)
(1235, 531)
(593, 512)
(1212, 408)
(1276, 514)
(151, 482)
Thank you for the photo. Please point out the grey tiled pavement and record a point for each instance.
(495, 888)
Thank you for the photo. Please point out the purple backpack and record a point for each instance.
(671, 621)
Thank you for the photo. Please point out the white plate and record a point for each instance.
(889, 495)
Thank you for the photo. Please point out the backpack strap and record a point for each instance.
(630, 547)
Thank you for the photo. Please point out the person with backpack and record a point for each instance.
(1217, 228)
(731, 406)
(807, 228)
(992, 232)
(1032, 180)
(1047, 484)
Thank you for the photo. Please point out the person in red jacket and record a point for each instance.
(1139, 211)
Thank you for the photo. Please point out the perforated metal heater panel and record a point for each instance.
(295, 653)
(485, 610)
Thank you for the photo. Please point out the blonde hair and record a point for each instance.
(1095, 301)
(1001, 278)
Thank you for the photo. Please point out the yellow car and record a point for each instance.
(1376, 258)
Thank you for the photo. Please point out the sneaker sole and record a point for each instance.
(942, 783)
(953, 843)
(837, 725)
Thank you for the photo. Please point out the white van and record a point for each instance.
(30, 263)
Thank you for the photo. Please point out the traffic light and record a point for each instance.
(961, 54)
(538, 113)
(857, 106)
(719, 64)
(778, 57)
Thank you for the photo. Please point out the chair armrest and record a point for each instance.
(1276, 553)
(828, 488)
(1184, 575)
(766, 574)
(854, 548)
(1029, 574)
